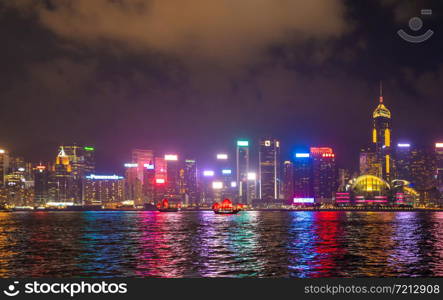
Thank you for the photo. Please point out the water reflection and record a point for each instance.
(202, 244)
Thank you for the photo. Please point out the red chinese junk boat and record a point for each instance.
(165, 206)
(226, 207)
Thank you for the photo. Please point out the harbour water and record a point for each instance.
(203, 244)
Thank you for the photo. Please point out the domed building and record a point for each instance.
(370, 190)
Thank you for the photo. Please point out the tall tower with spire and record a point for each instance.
(381, 137)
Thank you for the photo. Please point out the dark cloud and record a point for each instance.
(226, 31)
(192, 76)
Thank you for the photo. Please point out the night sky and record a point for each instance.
(192, 76)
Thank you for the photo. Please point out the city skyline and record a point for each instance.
(206, 157)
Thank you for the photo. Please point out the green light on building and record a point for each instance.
(89, 148)
(243, 143)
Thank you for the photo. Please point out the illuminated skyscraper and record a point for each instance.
(423, 170)
(142, 157)
(303, 176)
(190, 174)
(269, 170)
(104, 189)
(174, 177)
(403, 161)
(66, 186)
(41, 185)
(369, 162)
(4, 165)
(133, 188)
(381, 137)
(288, 181)
(252, 186)
(82, 162)
(439, 165)
(242, 171)
(206, 187)
(324, 174)
(148, 188)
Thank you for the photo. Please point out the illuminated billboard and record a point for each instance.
(171, 157)
(404, 145)
(208, 173)
(159, 180)
(438, 145)
(242, 143)
(104, 177)
(222, 156)
(149, 166)
(303, 200)
(302, 155)
(321, 150)
(89, 148)
(226, 171)
(131, 165)
(252, 176)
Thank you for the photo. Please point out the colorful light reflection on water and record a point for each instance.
(203, 244)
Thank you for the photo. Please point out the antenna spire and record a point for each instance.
(381, 91)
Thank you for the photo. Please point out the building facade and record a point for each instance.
(269, 170)
(242, 155)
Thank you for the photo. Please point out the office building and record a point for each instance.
(41, 185)
(403, 161)
(303, 175)
(381, 137)
(142, 157)
(288, 181)
(242, 155)
(190, 179)
(269, 170)
(104, 189)
(4, 166)
(324, 174)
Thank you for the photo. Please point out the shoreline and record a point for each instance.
(258, 209)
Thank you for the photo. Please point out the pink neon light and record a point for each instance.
(372, 201)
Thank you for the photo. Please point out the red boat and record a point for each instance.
(226, 207)
(165, 206)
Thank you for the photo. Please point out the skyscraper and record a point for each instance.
(269, 170)
(369, 162)
(4, 165)
(288, 181)
(66, 188)
(403, 161)
(104, 189)
(423, 169)
(439, 165)
(174, 177)
(190, 174)
(148, 188)
(242, 171)
(82, 162)
(142, 157)
(381, 137)
(303, 176)
(41, 185)
(324, 174)
(133, 188)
